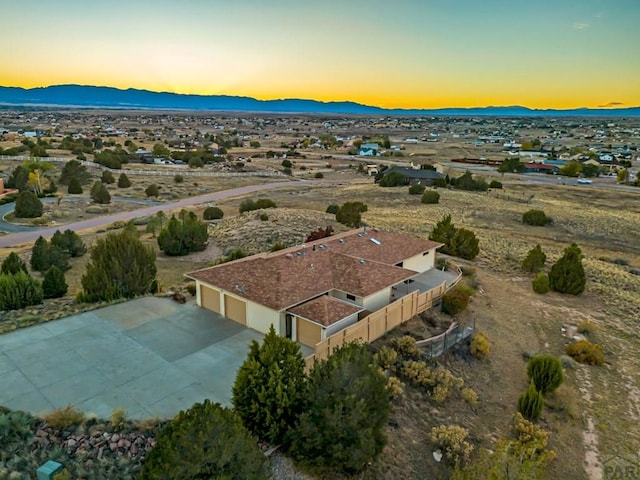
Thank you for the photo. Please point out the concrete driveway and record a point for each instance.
(151, 356)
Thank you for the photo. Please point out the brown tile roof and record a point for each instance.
(347, 262)
(325, 310)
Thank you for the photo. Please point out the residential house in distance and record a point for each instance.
(312, 291)
(4, 192)
(416, 175)
(369, 150)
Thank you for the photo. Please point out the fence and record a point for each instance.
(170, 172)
(378, 323)
(439, 344)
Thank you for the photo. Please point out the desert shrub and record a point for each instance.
(406, 347)
(387, 357)
(264, 217)
(54, 284)
(584, 351)
(64, 418)
(540, 283)
(18, 291)
(234, 255)
(393, 179)
(395, 387)
(318, 175)
(480, 345)
(287, 171)
(587, 327)
(430, 196)
(535, 217)
(212, 213)
(567, 274)
(350, 214)
(468, 271)
(249, 205)
(535, 260)
(118, 418)
(28, 205)
(100, 194)
(455, 301)
(286, 163)
(495, 184)
(469, 395)
(468, 182)
(451, 440)
(75, 187)
(123, 181)
(342, 428)
(530, 403)
(191, 288)
(152, 190)
(333, 209)
(184, 235)
(177, 178)
(205, 441)
(269, 389)
(121, 266)
(545, 371)
(277, 246)
(13, 264)
(437, 383)
(416, 189)
(440, 183)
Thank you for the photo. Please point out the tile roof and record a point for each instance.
(353, 262)
(325, 310)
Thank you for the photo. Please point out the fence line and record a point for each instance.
(441, 343)
(167, 173)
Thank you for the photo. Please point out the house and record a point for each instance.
(417, 176)
(312, 291)
(5, 192)
(540, 168)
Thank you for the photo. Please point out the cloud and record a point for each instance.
(580, 26)
(611, 104)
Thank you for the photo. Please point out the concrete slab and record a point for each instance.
(151, 356)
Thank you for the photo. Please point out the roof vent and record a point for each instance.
(362, 262)
(288, 255)
(360, 235)
(341, 240)
(299, 254)
(376, 241)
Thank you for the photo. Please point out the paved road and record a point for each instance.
(30, 236)
(15, 228)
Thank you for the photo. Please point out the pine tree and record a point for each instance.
(183, 236)
(19, 291)
(530, 403)
(152, 190)
(69, 242)
(54, 284)
(100, 194)
(342, 426)
(535, 260)
(13, 264)
(269, 390)
(443, 232)
(464, 244)
(545, 371)
(75, 187)
(28, 205)
(40, 255)
(121, 266)
(567, 274)
(123, 181)
(107, 177)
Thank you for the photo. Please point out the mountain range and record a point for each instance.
(85, 96)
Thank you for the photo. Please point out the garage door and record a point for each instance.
(210, 299)
(308, 333)
(235, 309)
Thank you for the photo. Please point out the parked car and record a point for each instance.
(585, 181)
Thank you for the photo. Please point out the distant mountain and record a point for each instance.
(83, 96)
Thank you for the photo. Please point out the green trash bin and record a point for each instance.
(48, 470)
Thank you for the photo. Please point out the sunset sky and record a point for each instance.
(400, 53)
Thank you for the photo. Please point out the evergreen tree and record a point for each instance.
(107, 177)
(28, 205)
(183, 236)
(100, 194)
(121, 266)
(205, 442)
(13, 264)
(342, 428)
(269, 390)
(464, 244)
(54, 284)
(567, 274)
(18, 178)
(74, 169)
(535, 260)
(443, 232)
(530, 403)
(350, 214)
(545, 371)
(75, 187)
(69, 242)
(123, 181)
(19, 291)
(40, 255)
(152, 190)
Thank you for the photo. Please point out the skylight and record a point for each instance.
(376, 241)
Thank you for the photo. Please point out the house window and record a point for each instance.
(351, 297)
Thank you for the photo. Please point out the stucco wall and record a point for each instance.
(336, 327)
(420, 263)
(377, 300)
(343, 296)
(260, 318)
